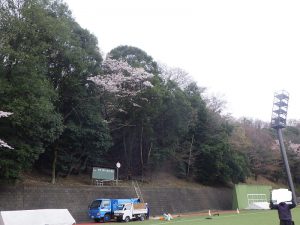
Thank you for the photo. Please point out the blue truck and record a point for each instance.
(102, 209)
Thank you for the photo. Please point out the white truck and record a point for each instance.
(130, 211)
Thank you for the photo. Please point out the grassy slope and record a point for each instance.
(160, 179)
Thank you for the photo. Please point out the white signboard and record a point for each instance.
(281, 195)
(103, 173)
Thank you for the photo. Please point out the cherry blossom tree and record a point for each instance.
(123, 83)
(2, 143)
(122, 79)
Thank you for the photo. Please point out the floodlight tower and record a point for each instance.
(279, 114)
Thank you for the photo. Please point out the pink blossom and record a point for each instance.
(122, 110)
(122, 79)
(5, 114)
(136, 105)
(147, 84)
(2, 143)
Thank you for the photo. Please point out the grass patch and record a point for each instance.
(251, 217)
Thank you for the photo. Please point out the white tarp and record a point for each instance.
(281, 195)
(37, 217)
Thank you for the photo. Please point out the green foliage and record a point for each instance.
(45, 60)
(63, 122)
(216, 162)
(257, 144)
(135, 57)
(174, 129)
(72, 57)
(292, 134)
(27, 93)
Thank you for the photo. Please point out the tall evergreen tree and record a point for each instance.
(45, 60)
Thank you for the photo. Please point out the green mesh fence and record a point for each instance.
(244, 194)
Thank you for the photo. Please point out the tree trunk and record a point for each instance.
(71, 167)
(126, 157)
(190, 155)
(76, 164)
(149, 153)
(85, 163)
(130, 156)
(141, 151)
(54, 165)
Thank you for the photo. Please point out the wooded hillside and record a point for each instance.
(73, 108)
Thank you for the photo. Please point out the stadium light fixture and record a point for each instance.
(278, 121)
(280, 107)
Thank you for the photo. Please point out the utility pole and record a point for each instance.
(118, 165)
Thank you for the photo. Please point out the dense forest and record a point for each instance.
(66, 108)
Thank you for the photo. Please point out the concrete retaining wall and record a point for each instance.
(181, 200)
(77, 199)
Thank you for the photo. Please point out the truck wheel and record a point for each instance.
(142, 218)
(97, 220)
(106, 218)
(127, 219)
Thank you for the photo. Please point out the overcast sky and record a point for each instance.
(242, 50)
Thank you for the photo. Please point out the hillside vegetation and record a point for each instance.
(74, 109)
